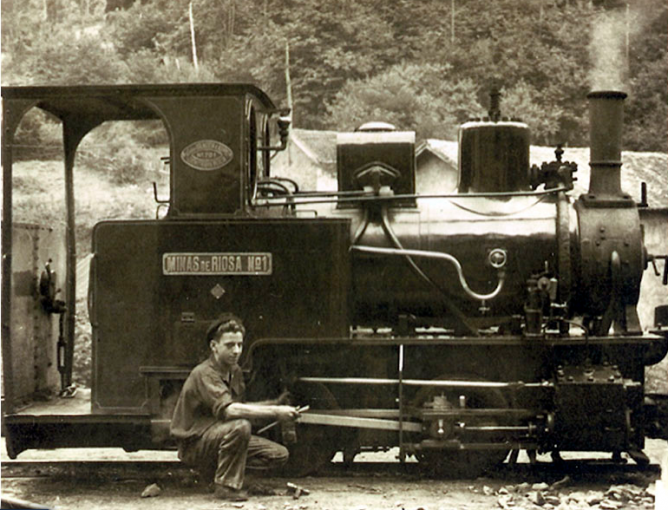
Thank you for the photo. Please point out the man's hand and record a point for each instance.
(285, 413)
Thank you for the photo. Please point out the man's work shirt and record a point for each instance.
(205, 395)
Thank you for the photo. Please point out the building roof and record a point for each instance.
(637, 167)
(444, 150)
(319, 146)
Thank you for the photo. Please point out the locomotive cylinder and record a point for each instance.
(606, 113)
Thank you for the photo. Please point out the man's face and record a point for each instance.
(227, 349)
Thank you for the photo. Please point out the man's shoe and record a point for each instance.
(230, 494)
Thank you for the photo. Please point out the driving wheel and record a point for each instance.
(315, 444)
(461, 463)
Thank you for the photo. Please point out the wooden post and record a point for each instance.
(628, 29)
(452, 23)
(288, 83)
(192, 37)
(231, 16)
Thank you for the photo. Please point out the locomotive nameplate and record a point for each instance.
(204, 264)
(207, 155)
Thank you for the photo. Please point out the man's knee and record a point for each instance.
(276, 455)
(281, 454)
(240, 429)
(265, 454)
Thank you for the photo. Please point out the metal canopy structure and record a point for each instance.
(115, 102)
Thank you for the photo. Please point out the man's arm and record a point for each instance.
(238, 410)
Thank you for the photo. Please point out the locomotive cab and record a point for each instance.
(155, 285)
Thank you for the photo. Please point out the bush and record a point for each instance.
(150, 133)
(527, 103)
(38, 137)
(113, 151)
(424, 98)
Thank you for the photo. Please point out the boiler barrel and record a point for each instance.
(385, 286)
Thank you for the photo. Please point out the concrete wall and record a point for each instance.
(293, 163)
(653, 292)
(434, 176)
(34, 333)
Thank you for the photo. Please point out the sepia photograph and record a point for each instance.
(334, 254)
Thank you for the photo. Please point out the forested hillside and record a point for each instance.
(421, 64)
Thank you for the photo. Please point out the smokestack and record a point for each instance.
(606, 113)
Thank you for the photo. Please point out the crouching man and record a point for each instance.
(211, 422)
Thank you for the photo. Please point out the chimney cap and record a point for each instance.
(607, 94)
(376, 126)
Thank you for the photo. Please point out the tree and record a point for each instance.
(424, 98)
(646, 112)
(536, 49)
(140, 28)
(523, 101)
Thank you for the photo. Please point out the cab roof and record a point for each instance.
(121, 102)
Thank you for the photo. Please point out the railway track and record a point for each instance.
(585, 469)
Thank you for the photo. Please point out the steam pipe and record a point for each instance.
(437, 255)
(606, 113)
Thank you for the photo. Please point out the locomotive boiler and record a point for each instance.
(499, 250)
(459, 327)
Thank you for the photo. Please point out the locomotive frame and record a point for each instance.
(338, 293)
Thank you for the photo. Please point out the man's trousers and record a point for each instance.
(227, 448)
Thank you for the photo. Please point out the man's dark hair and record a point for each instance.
(224, 324)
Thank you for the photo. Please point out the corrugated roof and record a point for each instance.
(637, 167)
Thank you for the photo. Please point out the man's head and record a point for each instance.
(225, 338)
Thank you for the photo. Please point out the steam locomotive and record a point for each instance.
(459, 327)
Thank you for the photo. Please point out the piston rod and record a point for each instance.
(314, 418)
